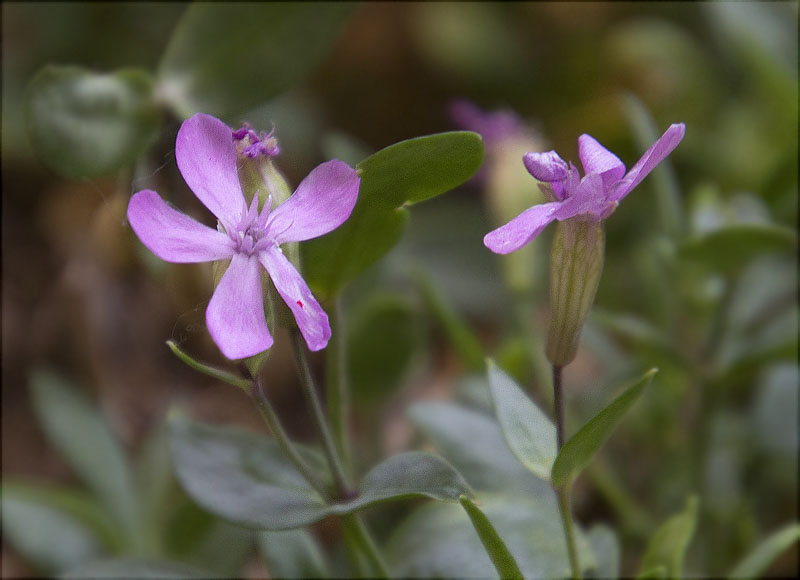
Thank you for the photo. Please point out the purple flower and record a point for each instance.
(494, 126)
(594, 197)
(206, 154)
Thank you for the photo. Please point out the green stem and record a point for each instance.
(338, 386)
(361, 537)
(286, 445)
(564, 492)
(564, 506)
(310, 392)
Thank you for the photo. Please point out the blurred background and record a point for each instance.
(82, 298)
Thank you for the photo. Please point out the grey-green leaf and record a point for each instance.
(758, 561)
(293, 554)
(579, 450)
(401, 174)
(246, 479)
(668, 544)
(223, 59)
(605, 546)
(438, 540)
(483, 457)
(530, 434)
(84, 124)
(50, 537)
(76, 428)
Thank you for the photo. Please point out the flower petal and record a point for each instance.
(588, 199)
(321, 203)
(173, 236)
(311, 318)
(235, 315)
(522, 229)
(547, 166)
(652, 157)
(597, 159)
(206, 157)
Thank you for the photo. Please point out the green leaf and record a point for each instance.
(155, 484)
(732, 246)
(579, 450)
(76, 428)
(223, 59)
(135, 568)
(53, 528)
(439, 541)
(84, 124)
(483, 457)
(383, 335)
(293, 554)
(246, 479)
(759, 560)
(530, 434)
(668, 544)
(401, 174)
(501, 557)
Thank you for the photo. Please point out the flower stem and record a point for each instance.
(352, 522)
(338, 386)
(564, 492)
(363, 540)
(309, 390)
(286, 445)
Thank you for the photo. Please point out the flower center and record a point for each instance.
(251, 233)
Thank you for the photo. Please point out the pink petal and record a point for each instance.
(172, 235)
(311, 318)
(206, 157)
(522, 229)
(235, 315)
(588, 199)
(652, 157)
(321, 203)
(547, 166)
(597, 159)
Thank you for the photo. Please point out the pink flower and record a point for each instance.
(206, 155)
(594, 197)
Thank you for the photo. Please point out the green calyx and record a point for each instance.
(576, 264)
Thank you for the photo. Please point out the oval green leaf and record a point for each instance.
(401, 174)
(579, 450)
(530, 434)
(293, 554)
(84, 124)
(223, 59)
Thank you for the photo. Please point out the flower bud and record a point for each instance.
(576, 264)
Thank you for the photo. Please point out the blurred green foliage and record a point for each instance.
(700, 277)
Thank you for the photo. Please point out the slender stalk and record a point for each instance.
(338, 386)
(310, 392)
(564, 492)
(564, 506)
(286, 445)
(363, 540)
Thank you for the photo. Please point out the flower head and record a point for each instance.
(206, 153)
(593, 197)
